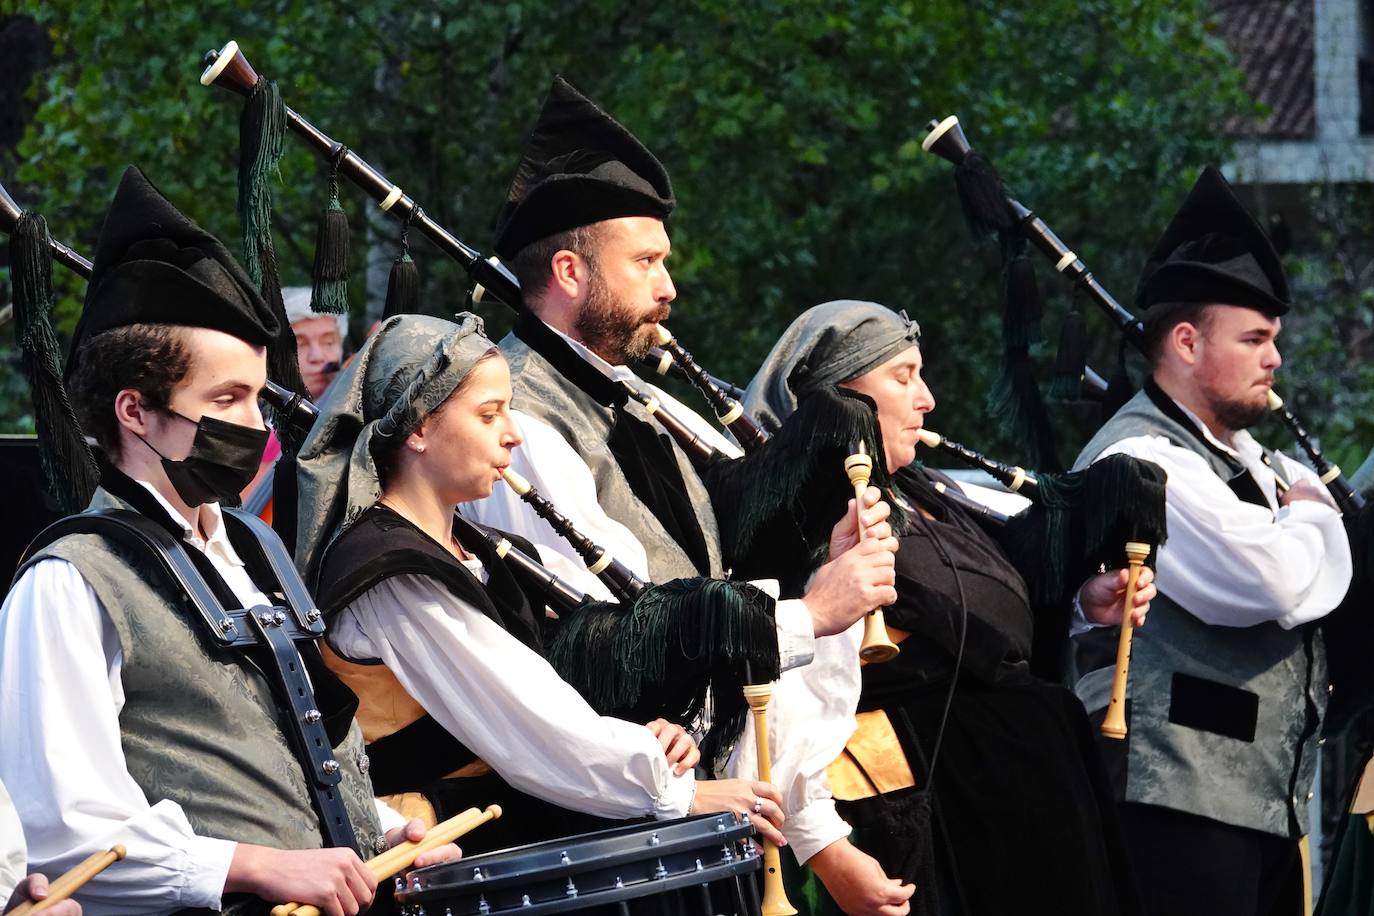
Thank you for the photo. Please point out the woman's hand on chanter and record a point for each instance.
(1103, 595)
(760, 802)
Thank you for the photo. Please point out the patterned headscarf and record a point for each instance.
(404, 371)
(828, 344)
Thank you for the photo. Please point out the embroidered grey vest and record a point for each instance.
(545, 394)
(200, 725)
(1222, 721)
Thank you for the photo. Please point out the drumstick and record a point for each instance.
(73, 881)
(1114, 723)
(403, 855)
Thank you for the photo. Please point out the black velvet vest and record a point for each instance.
(1001, 624)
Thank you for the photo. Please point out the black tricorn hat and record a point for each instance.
(1214, 251)
(580, 166)
(155, 266)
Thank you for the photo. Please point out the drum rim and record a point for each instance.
(740, 866)
(674, 836)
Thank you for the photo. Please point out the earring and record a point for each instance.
(419, 449)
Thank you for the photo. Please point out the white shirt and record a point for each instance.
(1232, 563)
(507, 705)
(13, 854)
(60, 699)
(560, 475)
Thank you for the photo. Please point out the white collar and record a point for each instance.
(213, 521)
(617, 372)
(1245, 443)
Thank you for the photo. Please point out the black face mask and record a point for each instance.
(224, 458)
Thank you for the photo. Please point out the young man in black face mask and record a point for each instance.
(125, 720)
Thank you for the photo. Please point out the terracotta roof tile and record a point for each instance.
(1273, 44)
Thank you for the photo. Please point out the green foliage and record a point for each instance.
(1328, 340)
(792, 131)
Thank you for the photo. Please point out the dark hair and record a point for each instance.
(149, 358)
(384, 459)
(532, 264)
(1163, 317)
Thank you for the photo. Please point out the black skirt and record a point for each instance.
(1024, 818)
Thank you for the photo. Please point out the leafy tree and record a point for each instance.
(792, 131)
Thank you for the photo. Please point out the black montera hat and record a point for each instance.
(580, 166)
(1214, 251)
(155, 266)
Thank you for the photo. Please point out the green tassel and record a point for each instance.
(68, 466)
(262, 132)
(983, 197)
(402, 288)
(1070, 359)
(330, 294)
(1015, 399)
(1120, 388)
(794, 486)
(684, 646)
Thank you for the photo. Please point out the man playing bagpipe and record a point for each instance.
(1228, 683)
(140, 702)
(583, 231)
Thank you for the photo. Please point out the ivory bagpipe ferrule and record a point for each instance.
(229, 68)
(1015, 479)
(946, 139)
(622, 583)
(728, 410)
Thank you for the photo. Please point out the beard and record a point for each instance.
(614, 330)
(1238, 415)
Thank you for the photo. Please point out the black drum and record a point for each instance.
(676, 866)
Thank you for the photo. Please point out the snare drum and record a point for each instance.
(675, 866)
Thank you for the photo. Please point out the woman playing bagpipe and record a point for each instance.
(1023, 818)
(433, 630)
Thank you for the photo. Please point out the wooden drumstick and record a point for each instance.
(877, 645)
(72, 881)
(1114, 723)
(403, 855)
(775, 902)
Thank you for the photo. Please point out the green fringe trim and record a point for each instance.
(1083, 519)
(262, 135)
(1015, 400)
(685, 644)
(68, 466)
(1069, 361)
(771, 491)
